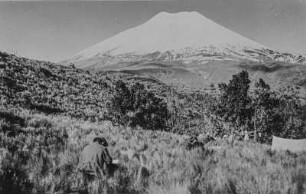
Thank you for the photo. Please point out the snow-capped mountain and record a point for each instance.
(185, 36)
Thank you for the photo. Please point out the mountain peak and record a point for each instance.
(178, 17)
(191, 14)
(169, 32)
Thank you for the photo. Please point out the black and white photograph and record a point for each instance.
(153, 97)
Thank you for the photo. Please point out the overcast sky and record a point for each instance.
(56, 30)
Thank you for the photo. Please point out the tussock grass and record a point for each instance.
(150, 162)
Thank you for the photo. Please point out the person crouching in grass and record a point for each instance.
(95, 160)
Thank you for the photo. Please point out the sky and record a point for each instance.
(56, 30)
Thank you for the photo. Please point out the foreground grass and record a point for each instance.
(44, 157)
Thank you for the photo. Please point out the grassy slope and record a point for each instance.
(151, 162)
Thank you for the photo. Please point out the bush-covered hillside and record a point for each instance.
(45, 87)
(53, 89)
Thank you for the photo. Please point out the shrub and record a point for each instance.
(276, 112)
(136, 106)
(291, 112)
(234, 103)
(266, 118)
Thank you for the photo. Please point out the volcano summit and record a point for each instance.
(185, 36)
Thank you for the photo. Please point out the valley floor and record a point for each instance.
(42, 157)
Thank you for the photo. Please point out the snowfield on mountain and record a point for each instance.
(185, 36)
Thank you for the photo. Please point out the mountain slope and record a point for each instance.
(167, 31)
(185, 36)
(188, 49)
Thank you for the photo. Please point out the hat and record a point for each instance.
(101, 140)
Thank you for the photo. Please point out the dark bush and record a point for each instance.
(136, 106)
(234, 103)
